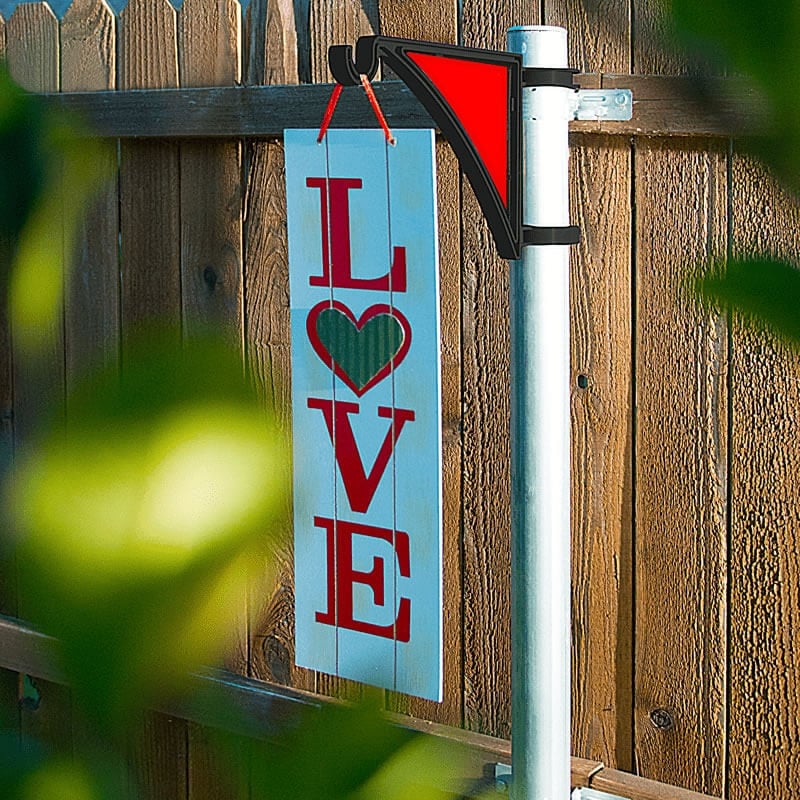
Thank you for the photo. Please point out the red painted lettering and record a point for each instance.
(336, 263)
(342, 576)
(359, 486)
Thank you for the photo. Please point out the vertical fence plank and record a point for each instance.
(211, 202)
(214, 773)
(33, 54)
(485, 371)
(211, 186)
(602, 661)
(91, 292)
(765, 516)
(149, 174)
(32, 47)
(32, 51)
(91, 324)
(268, 338)
(420, 19)
(9, 708)
(209, 54)
(681, 468)
(8, 586)
(9, 702)
(600, 172)
(151, 289)
(438, 22)
(338, 22)
(681, 450)
(273, 31)
(158, 757)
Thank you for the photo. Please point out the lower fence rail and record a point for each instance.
(263, 710)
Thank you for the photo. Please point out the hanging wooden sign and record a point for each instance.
(366, 406)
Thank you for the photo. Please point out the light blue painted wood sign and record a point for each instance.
(366, 407)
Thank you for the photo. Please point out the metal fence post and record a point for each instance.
(540, 452)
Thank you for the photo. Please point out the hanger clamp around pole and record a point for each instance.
(539, 235)
(549, 76)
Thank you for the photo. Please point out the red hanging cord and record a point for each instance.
(373, 101)
(326, 119)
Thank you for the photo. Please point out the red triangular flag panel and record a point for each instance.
(477, 93)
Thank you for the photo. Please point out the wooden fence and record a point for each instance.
(686, 521)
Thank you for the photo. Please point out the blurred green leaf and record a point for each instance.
(49, 171)
(425, 769)
(350, 753)
(141, 524)
(758, 40)
(331, 755)
(59, 779)
(766, 291)
(19, 759)
(24, 156)
(47, 241)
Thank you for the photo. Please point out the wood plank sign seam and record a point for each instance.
(366, 406)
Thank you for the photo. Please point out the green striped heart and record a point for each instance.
(362, 353)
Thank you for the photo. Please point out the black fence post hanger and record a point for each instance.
(473, 96)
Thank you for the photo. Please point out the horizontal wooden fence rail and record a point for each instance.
(259, 709)
(662, 106)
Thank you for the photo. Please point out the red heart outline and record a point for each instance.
(369, 313)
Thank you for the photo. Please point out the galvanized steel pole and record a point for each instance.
(540, 452)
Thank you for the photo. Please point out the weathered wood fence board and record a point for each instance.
(602, 458)
(684, 514)
(764, 735)
(681, 466)
(32, 53)
(267, 332)
(8, 589)
(681, 440)
(92, 319)
(33, 61)
(149, 175)
(601, 404)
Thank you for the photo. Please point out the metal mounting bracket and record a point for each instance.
(603, 104)
(502, 783)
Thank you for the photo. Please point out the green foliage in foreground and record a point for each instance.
(757, 41)
(139, 525)
(767, 292)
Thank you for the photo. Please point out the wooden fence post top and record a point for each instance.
(34, 68)
(148, 49)
(209, 36)
(88, 47)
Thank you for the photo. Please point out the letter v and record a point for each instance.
(359, 486)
